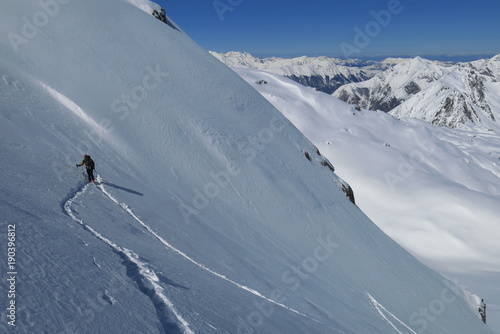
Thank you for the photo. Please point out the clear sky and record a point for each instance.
(345, 29)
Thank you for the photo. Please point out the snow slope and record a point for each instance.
(209, 218)
(434, 190)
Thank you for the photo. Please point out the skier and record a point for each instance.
(89, 163)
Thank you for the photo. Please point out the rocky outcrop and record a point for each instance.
(343, 185)
(328, 84)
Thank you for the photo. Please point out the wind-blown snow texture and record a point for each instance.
(209, 218)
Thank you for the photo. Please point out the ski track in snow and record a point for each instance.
(146, 279)
(200, 265)
(383, 311)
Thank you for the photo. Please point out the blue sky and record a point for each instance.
(345, 29)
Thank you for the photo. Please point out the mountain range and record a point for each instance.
(323, 73)
(466, 96)
(453, 95)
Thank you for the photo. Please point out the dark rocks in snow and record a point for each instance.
(161, 15)
(345, 96)
(327, 84)
(346, 188)
(385, 106)
(366, 98)
(446, 115)
(328, 164)
(459, 107)
(412, 88)
(482, 310)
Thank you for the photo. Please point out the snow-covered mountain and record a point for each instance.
(465, 94)
(389, 89)
(213, 213)
(435, 190)
(323, 73)
(461, 98)
(488, 67)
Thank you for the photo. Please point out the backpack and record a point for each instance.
(90, 163)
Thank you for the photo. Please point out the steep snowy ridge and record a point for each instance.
(261, 237)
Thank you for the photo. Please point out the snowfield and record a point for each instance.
(208, 217)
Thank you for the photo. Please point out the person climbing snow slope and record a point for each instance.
(89, 163)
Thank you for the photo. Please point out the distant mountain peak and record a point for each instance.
(457, 99)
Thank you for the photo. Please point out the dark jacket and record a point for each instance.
(88, 162)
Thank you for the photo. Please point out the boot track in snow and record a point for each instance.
(385, 314)
(146, 278)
